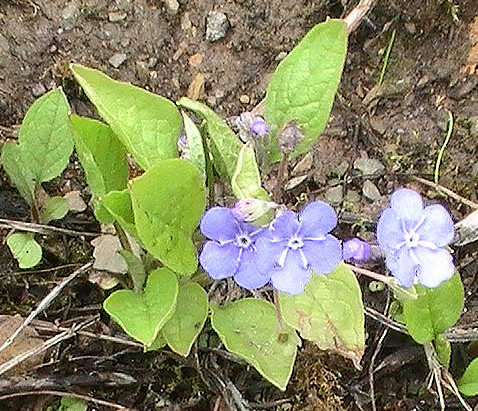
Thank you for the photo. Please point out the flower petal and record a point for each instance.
(249, 275)
(356, 250)
(293, 277)
(317, 219)
(286, 225)
(219, 224)
(402, 267)
(438, 226)
(219, 261)
(268, 252)
(323, 256)
(407, 204)
(435, 266)
(389, 230)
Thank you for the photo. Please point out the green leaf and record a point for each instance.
(435, 309)
(25, 249)
(303, 86)
(118, 204)
(329, 312)
(158, 343)
(249, 329)
(468, 383)
(135, 269)
(225, 147)
(195, 144)
(46, 137)
(55, 208)
(103, 158)
(147, 124)
(246, 181)
(141, 315)
(443, 350)
(184, 326)
(72, 404)
(168, 201)
(14, 165)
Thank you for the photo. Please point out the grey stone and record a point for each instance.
(38, 89)
(370, 191)
(304, 165)
(368, 166)
(117, 59)
(217, 26)
(172, 6)
(70, 11)
(473, 126)
(335, 195)
(117, 16)
(294, 182)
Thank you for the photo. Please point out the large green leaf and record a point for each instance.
(246, 181)
(225, 147)
(249, 329)
(468, 383)
(103, 158)
(46, 137)
(168, 201)
(25, 249)
(14, 165)
(141, 315)
(303, 86)
(329, 312)
(184, 326)
(147, 124)
(434, 310)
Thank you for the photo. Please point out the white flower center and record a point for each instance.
(412, 239)
(243, 241)
(295, 243)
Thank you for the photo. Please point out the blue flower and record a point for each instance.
(413, 238)
(356, 250)
(299, 244)
(259, 127)
(231, 251)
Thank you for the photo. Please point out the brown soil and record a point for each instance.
(432, 69)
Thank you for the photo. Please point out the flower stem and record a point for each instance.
(277, 192)
(280, 323)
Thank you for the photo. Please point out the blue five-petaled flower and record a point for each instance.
(285, 254)
(413, 238)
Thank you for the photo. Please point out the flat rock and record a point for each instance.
(117, 59)
(335, 195)
(368, 166)
(370, 191)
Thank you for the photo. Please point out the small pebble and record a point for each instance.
(217, 26)
(116, 16)
(244, 99)
(370, 191)
(172, 6)
(368, 166)
(38, 89)
(334, 195)
(117, 59)
(195, 60)
(304, 165)
(294, 182)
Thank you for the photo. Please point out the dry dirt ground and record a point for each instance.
(394, 132)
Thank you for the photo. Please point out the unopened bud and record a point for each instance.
(251, 209)
(356, 250)
(289, 137)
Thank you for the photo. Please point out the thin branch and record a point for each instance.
(86, 398)
(45, 303)
(65, 335)
(42, 228)
(353, 19)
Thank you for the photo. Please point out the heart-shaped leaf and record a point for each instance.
(168, 201)
(188, 320)
(249, 329)
(434, 310)
(55, 208)
(148, 125)
(118, 204)
(329, 312)
(141, 315)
